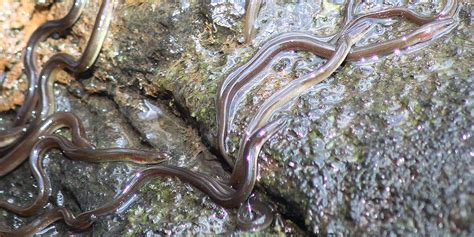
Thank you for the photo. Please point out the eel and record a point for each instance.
(230, 90)
(13, 134)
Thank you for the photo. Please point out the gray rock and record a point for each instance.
(374, 149)
(382, 147)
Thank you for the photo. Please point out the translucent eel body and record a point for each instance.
(238, 79)
(29, 60)
(58, 120)
(51, 216)
(247, 166)
(251, 14)
(66, 61)
(295, 88)
(75, 152)
(325, 49)
(11, 135)
(46, 96)
(448, 10)
(302, 84)
(225, 194)
(218, 191)
(61, 61)
(253, 6)
(20, 152)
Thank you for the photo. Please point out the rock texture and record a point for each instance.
(382, 147)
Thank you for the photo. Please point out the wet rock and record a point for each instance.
(369, 150)
(382, 147)
(165, 206)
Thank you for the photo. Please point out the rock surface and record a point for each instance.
(120, 116)
(381, 147)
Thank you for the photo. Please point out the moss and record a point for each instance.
(406, 80)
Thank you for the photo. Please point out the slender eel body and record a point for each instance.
(65, 61)
(294, 89)
(16, 153)
(20, 152)
(253, 6)
(74, 152)
(302, 84)
(42, 126)
(8, 137)
(29, 59)
(59, 61)
(37, 138)
(251, 14)
(12, 135)
(220, 192)
(241, 77)
(67, 120)
(448, 9)
(43, 221)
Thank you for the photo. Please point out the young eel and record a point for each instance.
(295, 88)
(238, 79)
(448, 9)
(14, 133)
(46, 219)
(220, 192)
(253, 7)
(58, 61)
(251, 14)
(245, 171)
(285, 95)
(83, 152)
(15, 153)
(18, 153)
(66, 61)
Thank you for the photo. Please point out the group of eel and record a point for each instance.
(32, 133)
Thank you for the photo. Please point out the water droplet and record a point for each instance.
(291, 164)
(60, 199)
